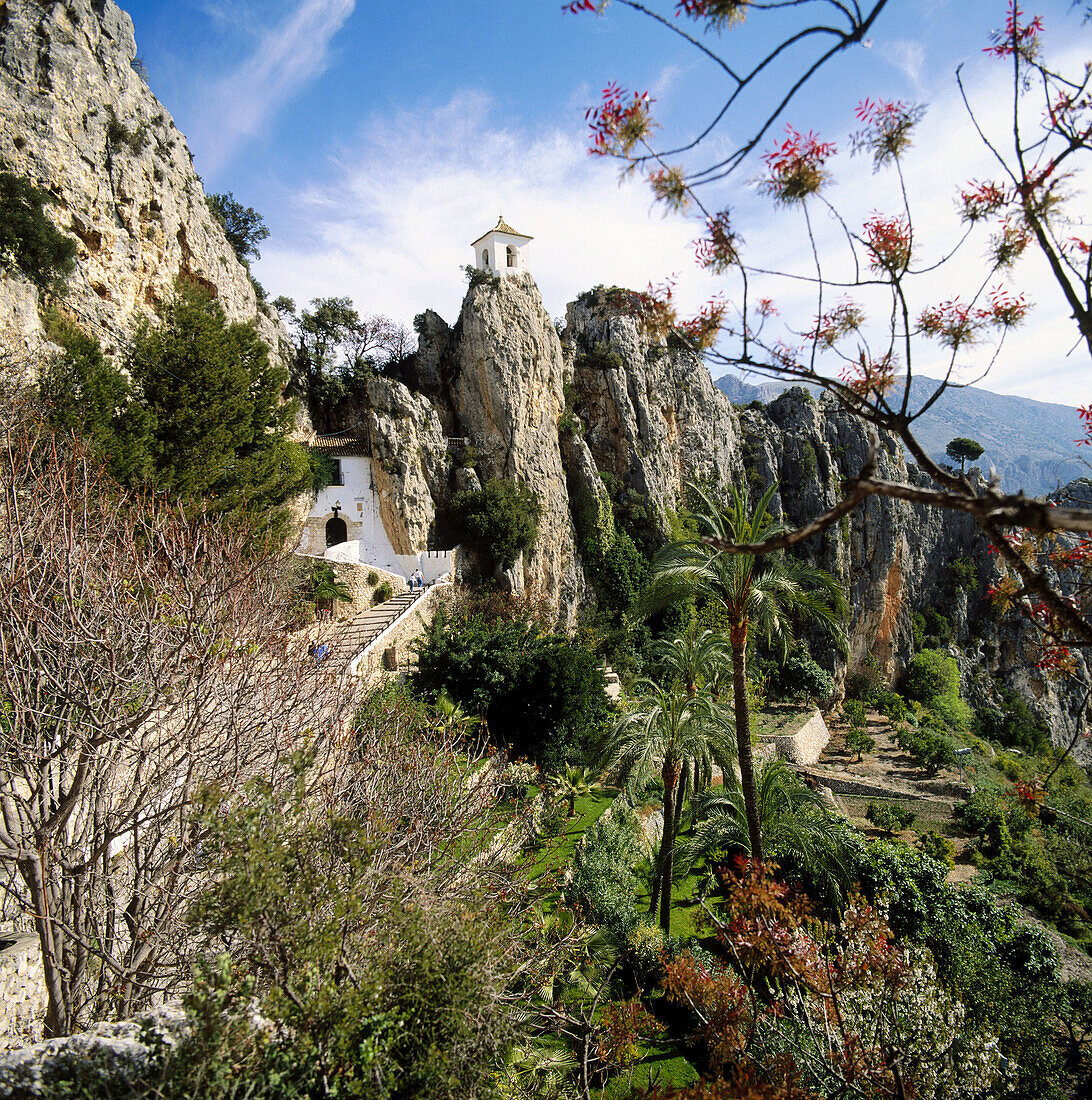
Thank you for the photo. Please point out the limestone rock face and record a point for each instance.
(409, 462)
(651, 413)
(503, 390)
(77, 119)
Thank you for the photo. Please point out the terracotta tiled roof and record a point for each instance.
(347, 446)
(502, 227)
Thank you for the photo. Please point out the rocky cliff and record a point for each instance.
(77, 119)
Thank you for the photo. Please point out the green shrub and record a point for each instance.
(372, 578)
(604, 882)
(964, 574)
(29, 241)
(938, 627)
(1013, 723)
(952, 714)
(937, 847)
(854, 710)
(889, 816)
(598, 356)
(890, 704)
(324, 584)
(389, 993)
(801, 677)
(859, 742)
(618, 573)
(86, 395)
(987, 815)
(930, 674)
(927, 747)
(477, 276)
(500, 519)
(382, 593)
(324, 470)
(117, 133)
(543, 695)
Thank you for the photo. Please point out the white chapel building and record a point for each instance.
(346, 520)
(501, 251)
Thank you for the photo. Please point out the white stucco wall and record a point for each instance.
(367, 539)
(496, 244)
(358, 505)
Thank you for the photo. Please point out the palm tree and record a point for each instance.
(760, 595)
(667, 731)
(574, 783)
(692, 658)
(797, 828)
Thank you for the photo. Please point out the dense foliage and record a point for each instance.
(197, 414)
(541, 694)
(500, 520)
(243, 226)
(29, 242)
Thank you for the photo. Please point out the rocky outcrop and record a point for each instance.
(409, 465)
(650, 412)
(77, 119)
(646, 412)
(502, 382)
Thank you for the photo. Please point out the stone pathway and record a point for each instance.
(359, 632)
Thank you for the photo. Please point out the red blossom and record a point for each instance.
(766, 308)
(1010, 242)
(703, 329)
(619, 121)
(844, 318)
(867, 377)
(952, 323)
(718, 250)
(888, 125)
(888, 240)
(1004, 309)
(1019, 38)
(797, 167)
(1085, 413)
(979, 200)
(580, 5)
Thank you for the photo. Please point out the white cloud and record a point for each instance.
(907, 56)
(392, 228)
(287, 56)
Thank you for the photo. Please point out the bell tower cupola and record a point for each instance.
(501, 251)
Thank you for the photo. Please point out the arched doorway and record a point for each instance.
(511, 256)
(336, 531)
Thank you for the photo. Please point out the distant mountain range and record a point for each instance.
(1031, 444)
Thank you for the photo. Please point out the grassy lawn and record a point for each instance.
(686, 910)
(929, 814)
(553, 853)
(660, 1068)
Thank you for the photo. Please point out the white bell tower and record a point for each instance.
(501, 251)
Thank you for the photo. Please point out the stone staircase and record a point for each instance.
(359, 632)
(614, 685)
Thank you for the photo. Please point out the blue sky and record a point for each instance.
(378, 138)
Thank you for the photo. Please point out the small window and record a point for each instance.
(337, 474)
(485, 258)
(511, 256)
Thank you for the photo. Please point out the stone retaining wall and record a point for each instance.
(806, 745)
(22, 988)
(412, 625)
